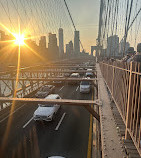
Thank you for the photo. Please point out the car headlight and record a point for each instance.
(49, 116)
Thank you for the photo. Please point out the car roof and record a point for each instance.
(89, 69)
(89, 73)
(56, 157)
(75, 74)
(52, 96)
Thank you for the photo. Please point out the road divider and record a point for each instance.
(57, 127)
(77, 88)
(28, 122)
(61, 88)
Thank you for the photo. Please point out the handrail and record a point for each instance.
(125, 87)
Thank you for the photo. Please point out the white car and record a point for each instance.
(47, 112)
(85, 87)
(74, 75)
(89, 70)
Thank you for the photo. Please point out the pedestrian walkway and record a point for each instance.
(111, 143)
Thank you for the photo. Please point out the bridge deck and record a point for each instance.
(111, 145)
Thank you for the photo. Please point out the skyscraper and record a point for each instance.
(42, 42)
(123, 46)
(76, 42)
(113, 46)
(67, 49)
(52, 46)
(61, 42)
(71, 47)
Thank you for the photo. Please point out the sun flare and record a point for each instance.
(19, 39)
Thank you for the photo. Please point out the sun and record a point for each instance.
(19, 39)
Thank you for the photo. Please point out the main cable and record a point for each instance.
(72, 21)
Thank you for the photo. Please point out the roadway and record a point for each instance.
(66, 136)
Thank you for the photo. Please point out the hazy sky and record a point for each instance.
(39, 17)
(42, 17)
(86, 17)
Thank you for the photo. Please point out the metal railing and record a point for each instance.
(124, 83)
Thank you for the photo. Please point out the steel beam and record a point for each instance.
(85, 103)
(51, 79)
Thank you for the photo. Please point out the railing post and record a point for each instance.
(113, 81)
(12, 84)
(128, 114)
(1, 95)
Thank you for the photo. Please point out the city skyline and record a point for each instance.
(52, 18)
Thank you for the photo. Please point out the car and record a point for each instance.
(85, 87)
(89, 70)
(44, 91)
(57, 83)
(47, 112)
(89, 74)
(56, 157)
(74, 75)
(67, 75)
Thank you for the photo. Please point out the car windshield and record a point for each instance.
(46, 105)
(89, 74)
(85, 83)
(44, 89)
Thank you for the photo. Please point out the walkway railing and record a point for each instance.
(124, 83)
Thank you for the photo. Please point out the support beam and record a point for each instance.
(50, 79)
(85, 103)
(91, 110)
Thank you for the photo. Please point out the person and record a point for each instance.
(130, 53)
(137, 56)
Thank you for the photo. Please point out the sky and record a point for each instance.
(86, 18)
(41, 17)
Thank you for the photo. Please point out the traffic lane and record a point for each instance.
(15, 140)
(19, 118)
(71, 140)
(27, 130)
(14, 128)
(6, 111)
(31, 134)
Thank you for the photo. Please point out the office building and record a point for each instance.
(123, 47)
(61, 41)
(76, 42)
(113, 46)
(42, 42)
(52, 46)
(69, 48)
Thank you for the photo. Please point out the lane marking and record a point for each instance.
(12, 113)
(61, 88)
(28, 122)
(57, 127)
(77, 88)
(89, 151)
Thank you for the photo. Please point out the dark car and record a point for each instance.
(44, 91)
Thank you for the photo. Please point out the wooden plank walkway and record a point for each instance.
(111, 142)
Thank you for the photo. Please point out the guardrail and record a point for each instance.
(124, 83)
